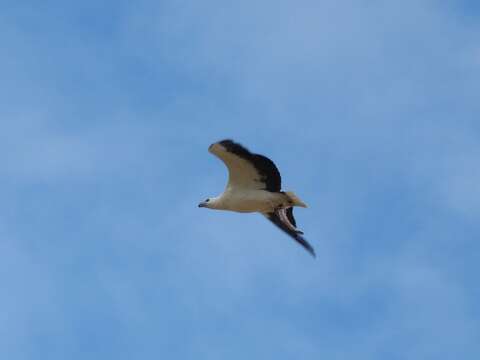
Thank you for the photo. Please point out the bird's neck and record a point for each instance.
(218, 203)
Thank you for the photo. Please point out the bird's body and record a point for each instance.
(254, 185)
(245, 201)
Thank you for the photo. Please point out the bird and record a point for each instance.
(254, 185)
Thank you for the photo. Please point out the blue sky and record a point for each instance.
(370, 110)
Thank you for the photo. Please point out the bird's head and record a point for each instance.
(207, 203)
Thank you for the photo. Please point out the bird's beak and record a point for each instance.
(202, 204)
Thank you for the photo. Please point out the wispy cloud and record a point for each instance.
(368, 110)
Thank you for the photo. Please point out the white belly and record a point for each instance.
(252, 201)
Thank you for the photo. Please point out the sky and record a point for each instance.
(370, 111)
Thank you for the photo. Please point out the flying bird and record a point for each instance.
(254, 185)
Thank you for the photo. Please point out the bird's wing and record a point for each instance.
(247, 170)
(283, 218)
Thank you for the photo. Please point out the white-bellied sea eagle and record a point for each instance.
(254, 185)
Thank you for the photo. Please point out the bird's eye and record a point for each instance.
(207, 200)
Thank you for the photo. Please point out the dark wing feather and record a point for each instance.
(239, 160)
(276, 218)
(290, 216)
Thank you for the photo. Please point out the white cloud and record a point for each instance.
(364, 98)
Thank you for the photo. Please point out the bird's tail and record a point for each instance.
(295, 199)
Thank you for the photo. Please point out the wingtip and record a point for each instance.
(311, 251)
(306, 245)
(215, 148)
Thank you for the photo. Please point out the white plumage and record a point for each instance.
(254, 185)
